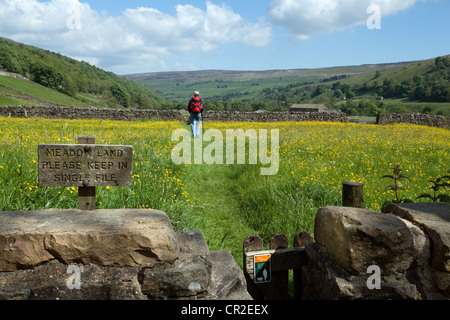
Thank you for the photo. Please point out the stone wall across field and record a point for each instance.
(416, 118)
(65, 112)
(243, 116)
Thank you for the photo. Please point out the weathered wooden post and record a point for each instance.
(353, 194)
(86, 195)
(300, 241)
(280, 241)
(85, 165)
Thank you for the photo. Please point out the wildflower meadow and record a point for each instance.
(230, 201)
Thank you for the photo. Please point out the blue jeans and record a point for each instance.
(196, 120)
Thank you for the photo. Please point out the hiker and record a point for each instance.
(196, 108)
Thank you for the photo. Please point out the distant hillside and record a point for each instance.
(78, 80)
(229, 86)
(405, 87)
(421, 86)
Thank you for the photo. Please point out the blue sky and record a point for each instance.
(151, 36)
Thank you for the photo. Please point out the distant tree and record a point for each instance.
(345, 88)
(120, 95)
(419, 92)
(46, 76)
(439, 92)
(441, 63)
(144, 102)
(427, 110)
(8, 60)
(350, 94)
(418, 79)
(368, 108)
(82, 84)
(336, 86)
(338, 94)
(69, 87)
(405, 89)
(319, 90)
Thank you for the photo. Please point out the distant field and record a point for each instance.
(239, 85)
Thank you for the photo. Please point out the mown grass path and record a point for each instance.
(216, 211)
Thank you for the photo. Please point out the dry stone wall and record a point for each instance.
(409, 245)
(65, 112)
(125, 254)
(416, 118)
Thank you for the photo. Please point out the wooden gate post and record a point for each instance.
(353, 194)
(86, 195)
(280, 241)
(300, 240)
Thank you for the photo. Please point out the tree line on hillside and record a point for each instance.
(77, 79)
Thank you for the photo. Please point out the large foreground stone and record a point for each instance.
(409, 244)
(358, 238)
(324, 279)
(197, 273)
(434, 219)
(49, 282)
(119, 238)
(187, 278)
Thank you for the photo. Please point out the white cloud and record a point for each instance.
(139, 36)
(305, 18)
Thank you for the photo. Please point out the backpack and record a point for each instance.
(196, 105)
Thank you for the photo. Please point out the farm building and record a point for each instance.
(309, 108)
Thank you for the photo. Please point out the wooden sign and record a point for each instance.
(84, 165)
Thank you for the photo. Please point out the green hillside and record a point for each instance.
(405, 87)
(422, 86)
(15, 91)
(243, 86)
(81, 83)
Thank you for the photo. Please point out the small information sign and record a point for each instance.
(262, 268)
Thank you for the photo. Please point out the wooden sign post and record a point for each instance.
(85, 165)
(353, 194)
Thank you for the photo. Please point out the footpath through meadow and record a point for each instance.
(216, 210)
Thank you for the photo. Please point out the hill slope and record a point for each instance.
(221, 85)
(79, 80)
(420, 86)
